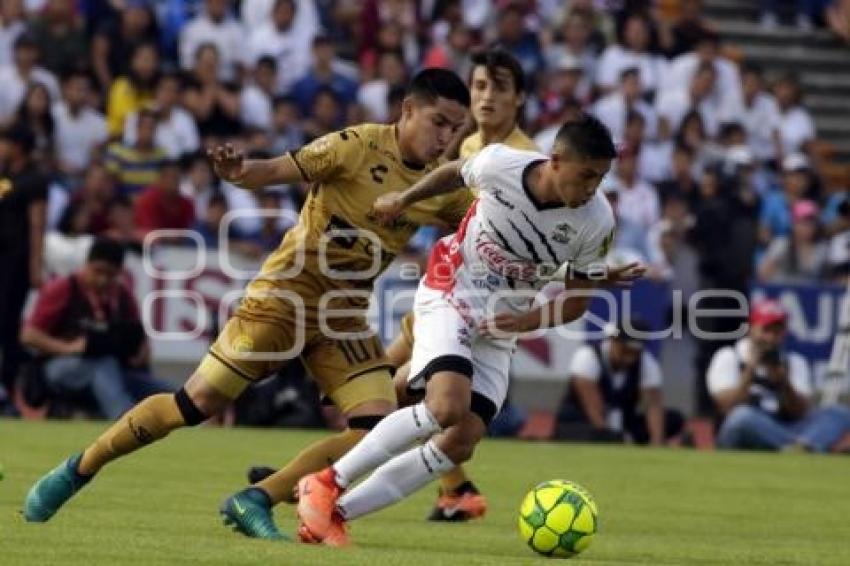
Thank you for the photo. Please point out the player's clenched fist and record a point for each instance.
(388, 207)
(227, 162)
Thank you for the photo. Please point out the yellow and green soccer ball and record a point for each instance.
(558, 518)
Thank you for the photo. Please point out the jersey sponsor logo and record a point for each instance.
(563, 233)
(496, 261)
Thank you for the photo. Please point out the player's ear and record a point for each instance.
(407, 106)
(520, 100)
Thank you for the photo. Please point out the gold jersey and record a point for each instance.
(517, 139)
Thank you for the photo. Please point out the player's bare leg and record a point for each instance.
(447, 403)
(149, 421)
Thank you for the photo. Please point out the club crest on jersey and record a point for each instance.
(563, 233)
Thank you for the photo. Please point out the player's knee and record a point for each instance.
(459, 445)
(446, 410)
(189, 409)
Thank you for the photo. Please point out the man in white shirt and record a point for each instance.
(22, 71)
(632, 52)
(613, 108)
(796, 127)
(12, 25)
(176, 130)
(214, 25)
(761, 118)
(638, 200)
(257, 96)
(674, 105)
(80, 129)
(764, 392)
(615, 391)
(282, 39)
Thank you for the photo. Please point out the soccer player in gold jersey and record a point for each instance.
(309, 299)
(497, 91)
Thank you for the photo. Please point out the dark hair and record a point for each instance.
(588, 137)
(171, 76)
(137, 81)
(629, 72)
(109, 251)
(395, 95)
(267, 61)
(20, 135)
(498, 58)
(282, 99)
(753, 68)
(707, 36)
(635, 116)
(704, 67)
(431, 84)
(76, 73)
(26, 39)
(728, 129)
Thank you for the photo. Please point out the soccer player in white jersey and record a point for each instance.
(534, 214)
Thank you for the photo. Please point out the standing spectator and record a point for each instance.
(374, 94)
(325, 115)
(653, 157)
(198, 183)
(630, 239)
(34, 114)
(760, 116)
(281, 39)
(576, 41)
(257, 96)
(215, 25)
(323, 76)
(800, 257)
(764, 391)
(674, 105)
(775, 213)
(562, 85)
(256, 13)
(161, 206)
(688, 29)
(681, 181)
(515, 38)
(61, 34)
(129, 93)
(453, 54)
(136, 166)
(631, 51)
(114, 43)
(88, 327)
(12, 25)
(213, 104)
(23, 194)
(80, 129)
(288, 132)
(24, 70)
(176, 132)
(94, 197)
(614, 392)
(796, 128)
(638, 200)
(613, 108)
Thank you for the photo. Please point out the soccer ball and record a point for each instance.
(558, 518)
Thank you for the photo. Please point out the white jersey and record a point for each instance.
(509, 241)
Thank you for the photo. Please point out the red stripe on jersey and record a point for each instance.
(445, 258)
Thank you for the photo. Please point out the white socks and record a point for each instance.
(395, 480)
(393, 434)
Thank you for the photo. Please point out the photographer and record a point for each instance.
(764, 391)
(86, 327)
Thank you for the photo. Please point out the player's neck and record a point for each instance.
(537, 185)
(496, 134)
(404, 152)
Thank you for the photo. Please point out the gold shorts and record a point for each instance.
(407, 329)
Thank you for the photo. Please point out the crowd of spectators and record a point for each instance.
(115, 101)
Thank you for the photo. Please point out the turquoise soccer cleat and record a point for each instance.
(51, 492)
(250, 512)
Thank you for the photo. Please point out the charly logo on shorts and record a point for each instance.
(243, 343)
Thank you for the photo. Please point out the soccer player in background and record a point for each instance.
(497, 91)
(535, 213)
(336, 234)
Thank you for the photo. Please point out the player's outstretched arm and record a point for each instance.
(230, 164)
(443, 179)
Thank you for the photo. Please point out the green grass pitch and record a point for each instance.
(656, 506)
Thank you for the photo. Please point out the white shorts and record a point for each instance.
(442, 334)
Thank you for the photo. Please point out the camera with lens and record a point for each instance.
(771, 358)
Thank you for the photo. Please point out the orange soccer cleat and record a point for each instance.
(459, 507)
(317, 497)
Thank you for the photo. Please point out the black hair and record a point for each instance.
(109, 251)
(635, 116)
(171, 76)
(282, 99)
(431, 84)
(395, 95)
(498, 58)
(728, 129)
(26, 39)
(76, 73)
(628, 72)
(752, 68)
(21, 135)
(268, 61)
(707, 36)
(588, 137)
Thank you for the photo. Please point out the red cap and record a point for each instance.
(766, 312)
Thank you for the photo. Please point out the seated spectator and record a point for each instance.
(760, 116)
(214, 25)
(631, 51)
(560, 88)
(256, 99)
(454, 53)
(95, 196)
(689, 28)
(630, 239)
(325, 115)
(513, 35)
(136, 166)
(796, 127)
(161, 206)
(34, 114)
(653, 156)
(12, 25)
(575, 41)
(674, 105)
(129, 93)
(87, 327)
(279, 37)
(373, 94)
(614, 392)
(23, 71)
(666, 238)
(638, 199)
(800, 257)
(80, 129)
(62, 37)
(323, 76)
(115, 41)
(198, 183)
(681, 181)
(763, 391)
(213, 104)
(122, 225)
(613, 108)
(176, 132)
(775, 213)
